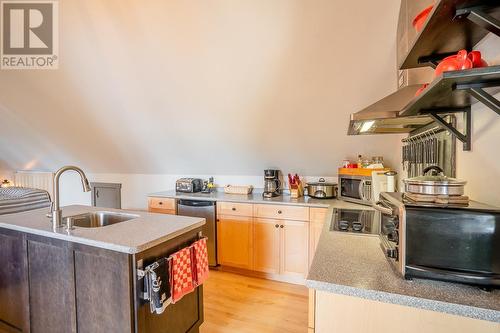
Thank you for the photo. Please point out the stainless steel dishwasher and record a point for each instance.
(205, 209)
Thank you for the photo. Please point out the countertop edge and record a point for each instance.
(101, 244)
(410, 301)
(240, 200)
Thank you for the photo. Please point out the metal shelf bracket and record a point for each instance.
(479, 17)
(485, 98)
(476, 90)
(464, 137)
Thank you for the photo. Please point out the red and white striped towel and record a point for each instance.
(181, 274)
(200, 260)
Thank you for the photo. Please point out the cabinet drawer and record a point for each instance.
(235, 209)
(282, 212)
(161, 203)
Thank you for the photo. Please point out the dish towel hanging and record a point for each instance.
(181, 274)
(200, 259)
(157, 286)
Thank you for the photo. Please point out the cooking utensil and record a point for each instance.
(455, 62)
(477, 61)
(434, 184)
(321, 189)
(419, 20)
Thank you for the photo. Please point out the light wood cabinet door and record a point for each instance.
(318, 218)
(266, 245)
(294, 249)
(234, 241)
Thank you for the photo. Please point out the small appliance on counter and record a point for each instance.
(321, 189)
(445, 242)
(355, 184)
(272, 183)
(189, 185)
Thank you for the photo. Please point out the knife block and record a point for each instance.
(296, 191)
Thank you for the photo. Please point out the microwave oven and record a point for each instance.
(356, 188)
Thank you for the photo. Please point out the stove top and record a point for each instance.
(358, 221)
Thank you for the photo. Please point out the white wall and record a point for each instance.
(136, 187)
(203, 87)
(481, 166)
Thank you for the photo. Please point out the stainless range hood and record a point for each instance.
(383, 117)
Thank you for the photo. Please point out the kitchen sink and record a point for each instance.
(98, 219)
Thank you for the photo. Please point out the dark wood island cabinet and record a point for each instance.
(54, 285)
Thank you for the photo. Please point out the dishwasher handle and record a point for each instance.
(196, 203)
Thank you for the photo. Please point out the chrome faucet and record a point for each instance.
(56, 212)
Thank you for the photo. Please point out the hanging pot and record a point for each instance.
(437, 184)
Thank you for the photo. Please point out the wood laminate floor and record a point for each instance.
(236, 303)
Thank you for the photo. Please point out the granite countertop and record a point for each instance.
(257, 198)
(354, 265)
(132, 236)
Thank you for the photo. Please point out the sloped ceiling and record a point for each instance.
(211, 87)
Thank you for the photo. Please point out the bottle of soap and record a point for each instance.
(360, 161)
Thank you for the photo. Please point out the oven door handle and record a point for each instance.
(383, 209)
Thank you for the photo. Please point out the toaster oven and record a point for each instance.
(442, 242)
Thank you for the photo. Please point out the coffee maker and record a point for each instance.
(272, 183)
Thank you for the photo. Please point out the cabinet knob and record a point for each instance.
(282, 226)
(160, 203)
(276, 225)
(279, 212)
(234, 208)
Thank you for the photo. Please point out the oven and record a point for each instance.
(448, 243)
(357, 189)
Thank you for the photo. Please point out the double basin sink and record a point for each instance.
(97, 219)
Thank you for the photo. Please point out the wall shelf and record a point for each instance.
(452, 25)
(454, 92)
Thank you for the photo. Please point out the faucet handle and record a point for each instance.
(51, 211)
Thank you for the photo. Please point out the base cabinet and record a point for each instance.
(266, 239)
(341, 313)
(281, 247)
(293, 253)
(51, 285)
(235, 241)
(316, 223)
(14, 290)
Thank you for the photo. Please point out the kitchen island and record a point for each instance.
(86, 279)
(350, 278)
